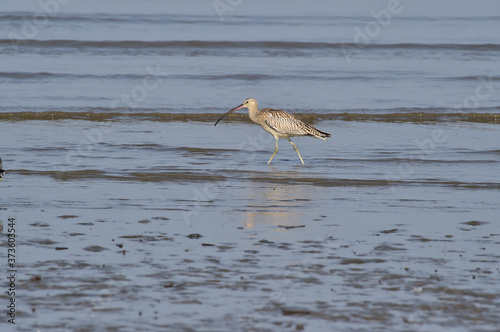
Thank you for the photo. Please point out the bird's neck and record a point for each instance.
(252, 111)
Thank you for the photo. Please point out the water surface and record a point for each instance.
(133, 212)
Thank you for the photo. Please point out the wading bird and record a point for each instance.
(278, 123)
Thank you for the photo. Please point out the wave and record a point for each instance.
(116, 114)
(204, 77)
(105, 18)
(162, 18)
(231, 76)
(222, 176)
(45, 75)
(226, 45)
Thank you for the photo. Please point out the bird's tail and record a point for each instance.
(318, 133)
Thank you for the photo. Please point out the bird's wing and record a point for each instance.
(284, 122)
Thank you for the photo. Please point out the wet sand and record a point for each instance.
(134, 213)
(159, 230)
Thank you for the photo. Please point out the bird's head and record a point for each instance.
(248, 103)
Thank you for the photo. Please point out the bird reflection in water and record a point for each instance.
(277, 204)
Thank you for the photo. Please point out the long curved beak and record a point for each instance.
(227, 113)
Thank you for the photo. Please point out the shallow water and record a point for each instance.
(136, 213)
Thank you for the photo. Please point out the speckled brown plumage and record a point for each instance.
(286, 123)
(278, 123)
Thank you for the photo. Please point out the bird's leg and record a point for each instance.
(296, 149)
(275, 151)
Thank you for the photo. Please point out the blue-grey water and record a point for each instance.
(133, 212)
